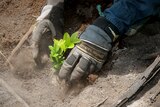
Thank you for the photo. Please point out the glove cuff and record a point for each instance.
(108, 27)
(96, 37)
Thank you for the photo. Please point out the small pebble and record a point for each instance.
(14, 23)
(2, 34)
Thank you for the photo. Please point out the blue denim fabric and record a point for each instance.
(124, 13)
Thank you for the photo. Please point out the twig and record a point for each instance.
(17, 48)
(101, 103)
(11, 66)
(34, 16)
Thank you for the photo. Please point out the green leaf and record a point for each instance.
(66, 38)
(74, 38)
(55, 55)
(60, 42)
(56, 47)
(59, 48)
(51, 58)
(50, 47)
(62, 45)
(56, 66)
(71, 45)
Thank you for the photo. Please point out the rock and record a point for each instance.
(2, 34)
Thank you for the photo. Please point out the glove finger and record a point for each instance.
(92, 68)
(35, 50)
(80, 70)
(36, 35)
(68, 66)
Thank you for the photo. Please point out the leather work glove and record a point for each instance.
(50, 20)
(91, 53)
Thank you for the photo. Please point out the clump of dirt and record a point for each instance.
(24, 65)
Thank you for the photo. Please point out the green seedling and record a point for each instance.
(58, 49)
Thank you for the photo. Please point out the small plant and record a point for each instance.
(59, 48)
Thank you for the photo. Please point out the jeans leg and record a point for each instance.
(125, 13)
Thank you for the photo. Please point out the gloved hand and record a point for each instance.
(51, 19)
(91, 53)
(41, 28)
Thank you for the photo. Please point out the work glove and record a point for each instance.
(91, 53)
(41, 28)
(50, 20)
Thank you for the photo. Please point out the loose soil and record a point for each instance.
(41, 88)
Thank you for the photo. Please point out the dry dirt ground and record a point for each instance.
(40, 88)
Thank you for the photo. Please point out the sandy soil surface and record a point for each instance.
(40, 88)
